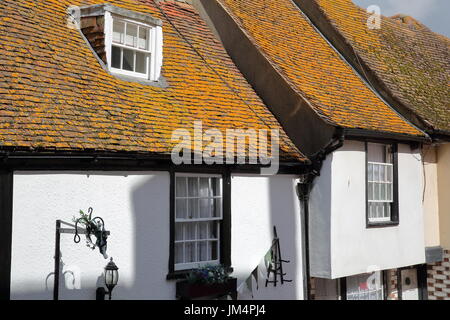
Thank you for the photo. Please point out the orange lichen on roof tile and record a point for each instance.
(411, 60)
(313, 67)
(56, 95)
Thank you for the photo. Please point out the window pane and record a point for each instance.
(206, 208)
(213, 230)
(115, 57)
(193, 208)
(181, 209)
(385, 210)
(388, 210)
(370, 191)
(118, 31)
(181, 188)
(143, 38)
(375, 210)
(202, 253)
(204, 187)
(371, 210)
(189, 231)
(217, 210)
(389, 173)
(131, 37)
(389, 192)
(365, 287)
(382, 191)
(216, 186)
(179, 252)
(128, 59)
(203, 230)
(193, 187)
(179, 231)
(370, 172)
(214, 250)
(141, 62)
(190, 252)
(382, 173)
(376, 191)
(376, 172)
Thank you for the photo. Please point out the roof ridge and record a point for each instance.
(401, 56)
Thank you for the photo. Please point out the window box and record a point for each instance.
(189, 291)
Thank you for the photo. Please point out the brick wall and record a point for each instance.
(93, 30)
(438, 279)
(391, 285)
(312, 292)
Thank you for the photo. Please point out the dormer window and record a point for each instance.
(130, 48)
(129, 43)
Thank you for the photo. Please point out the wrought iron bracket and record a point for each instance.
(59, 231)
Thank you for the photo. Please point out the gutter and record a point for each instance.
(303, 192)
(358, 134)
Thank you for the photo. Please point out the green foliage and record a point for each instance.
(210, 274)
(93, 227)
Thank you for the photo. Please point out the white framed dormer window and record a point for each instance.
(198, 217)
(381, 206)
(133, 48)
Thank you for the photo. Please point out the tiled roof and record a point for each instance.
(412, 61)
(54, 94)
(313, 67)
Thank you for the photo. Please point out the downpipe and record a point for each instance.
(303, 192)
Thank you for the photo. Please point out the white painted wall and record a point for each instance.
(431, 196)
(354, 248)
(135, 206)
(259, 203)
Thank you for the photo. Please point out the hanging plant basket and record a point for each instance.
(93, 226)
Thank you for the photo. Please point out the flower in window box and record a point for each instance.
(209, 281)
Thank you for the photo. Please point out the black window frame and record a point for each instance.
(225, 226)
(395, 219)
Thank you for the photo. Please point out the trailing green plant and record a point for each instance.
(93, 226)
(209, 274)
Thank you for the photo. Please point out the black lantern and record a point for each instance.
(111, 278)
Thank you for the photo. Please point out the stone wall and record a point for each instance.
(93, 29)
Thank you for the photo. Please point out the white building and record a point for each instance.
(91, 124)
(365, 214)
(112, 94)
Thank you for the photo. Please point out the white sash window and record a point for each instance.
(380, 182)
(133, 48)
(198, 215)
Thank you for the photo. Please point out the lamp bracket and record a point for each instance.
(58, 233)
